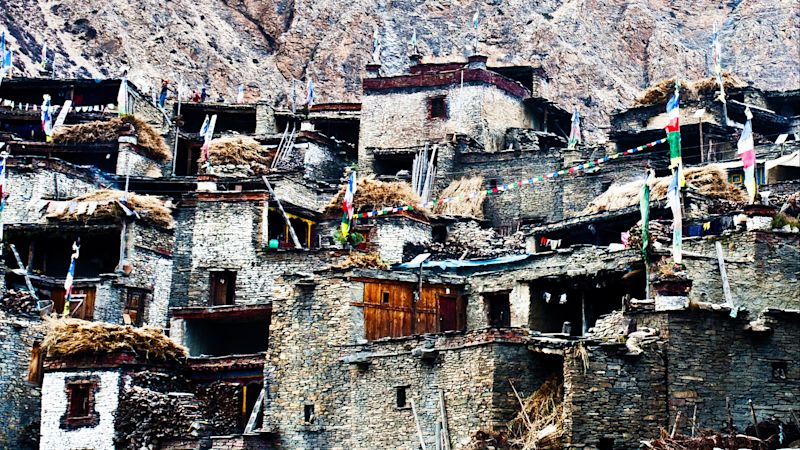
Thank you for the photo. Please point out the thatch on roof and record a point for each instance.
(107, 205)
(361, 260)
(238, 151)
(375, 194)
(710, 181)
(110, 130)
(74, 337)
(690, 90)
(465, 206)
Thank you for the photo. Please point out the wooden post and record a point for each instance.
(755, 420)
(729, 414)
(177, 130)
(445, 429)
(675, 425)
(23, 268)
(285, 217)
(694, 419)
(700, 123)
(419, 428)
(726, 287)
(521, 405)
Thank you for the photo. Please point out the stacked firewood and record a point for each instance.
(19, 303)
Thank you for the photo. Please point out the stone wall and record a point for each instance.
(133, 162)
(480, 111)
(762, 267)
(390, 234)
(19, 399)
(617, 397)
(150, 253)
(54, 408)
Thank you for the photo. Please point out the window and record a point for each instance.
(223, 287)
(401, 396)
(385, 297)
(605, 443)
(779, 369)
(80, 411)
(499, 309)
(308, 414)
(437, 107)
(134, 307)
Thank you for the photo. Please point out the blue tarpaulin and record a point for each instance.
(457, 264)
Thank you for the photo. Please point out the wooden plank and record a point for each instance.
(419, 427)
(726, 287)
(443, 414)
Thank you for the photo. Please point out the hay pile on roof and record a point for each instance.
(110, 130)
(239, 156)
(710, 181)
(374, 194)
(468, 206)
(361, 260)
(105, 203)
(74, 337)
(690, 90)
(539, 425)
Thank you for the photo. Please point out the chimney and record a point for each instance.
(373, 70)
(477, 61)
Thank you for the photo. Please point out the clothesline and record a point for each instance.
(511, 186)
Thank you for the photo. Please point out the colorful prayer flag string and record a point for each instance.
(510, 186)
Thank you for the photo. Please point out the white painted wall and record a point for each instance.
(54, 407)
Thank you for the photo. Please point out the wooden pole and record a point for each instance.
(729, 414)
(443, 413)
(726, 287)
(675, 425)
(755, 420)
(700, 123)
(22, 267)
(522, 406)
(177, 130)
(694, 419)
(285, 217)
(419, 428)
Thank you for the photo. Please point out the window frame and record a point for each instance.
(92, 418)
(437, 110)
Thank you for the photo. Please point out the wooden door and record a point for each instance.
(448, 313)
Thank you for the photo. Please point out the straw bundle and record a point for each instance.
(362, 260)
(239, 151)
(708, 440)
(539, 425)
(109, 131)
(150, 209)
(710, 181)
(71, 337)
(689, 90)
(375, 194)
(467, 206)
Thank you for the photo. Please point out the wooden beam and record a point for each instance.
(419, 428)
(285, 217)
(726, 287)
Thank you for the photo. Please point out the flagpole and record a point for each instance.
(3, 185)
(177, 129)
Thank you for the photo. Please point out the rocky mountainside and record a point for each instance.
(598, 54)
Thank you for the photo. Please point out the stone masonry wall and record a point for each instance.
(616, 397)
(54, 407)
(762, 269)
(19, 399)
(392, 233)
(150, 253)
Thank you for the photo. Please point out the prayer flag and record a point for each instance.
(310, 93)
(476, 19)
(2, 45)
(240, 94)
(347, 204)
(644, 208)
(47, 119)
(748, 154)
(575, 131)
(3, 193)
(413, 42)
(209, 133)
(76, 246)
(674, 202)
(673, 130)
(716, 56)
(44, 56)
(122, 98)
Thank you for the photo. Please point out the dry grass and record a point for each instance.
(690, 90)
(150, 209)
(466, 206)
(710, 181)
(239, 151)
(375, 194)
(539, 425)
(362, 260)
(109, 131)
(71, 337)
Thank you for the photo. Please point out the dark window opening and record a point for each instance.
(223, 287)
(492, 183)
(385, 298)
(393, 165)
(779, 370)
(226, 337)
(242, 120)
(250, 393)
(437, 107)
(80, 408)
(308, 413)
(499, 309)
(401, 400)
(50, 254)
(133, 313)
(187, 157)
(605, 443)
(79, 400)
(277, 230)
(439, 233)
